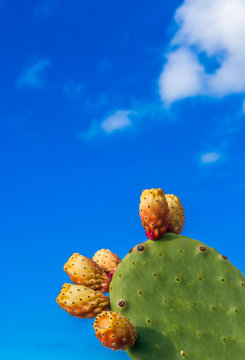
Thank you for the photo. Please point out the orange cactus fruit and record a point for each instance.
(107, 260)
(114, 330)
(84, 271)
(176, 214)
(154, 213)
(82, 302)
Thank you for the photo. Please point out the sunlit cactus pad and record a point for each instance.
(184, 299)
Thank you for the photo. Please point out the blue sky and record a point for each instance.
(99, 101)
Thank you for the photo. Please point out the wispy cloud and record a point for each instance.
(119, 120)
(32, 76)
(210, 157)
(207, 54)
(123, 120)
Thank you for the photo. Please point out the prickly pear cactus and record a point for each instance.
(184, 299)
(170, 298)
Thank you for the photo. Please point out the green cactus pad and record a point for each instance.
(185, 300)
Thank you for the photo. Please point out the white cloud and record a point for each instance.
(182, 65)
(216, 29)
(117, 121)
(32, 75)
(210, 157)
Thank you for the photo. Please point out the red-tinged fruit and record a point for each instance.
(154, 213)
(176, 214)
(114, 330)
(82, 302)
(107, 260)
(84, 271)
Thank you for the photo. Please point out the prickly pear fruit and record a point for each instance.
(154, 213)
(84, 271)
(176, 214)
(106, 260)
(114, 330)
(82, 302)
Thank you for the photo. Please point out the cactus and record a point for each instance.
(174, 298)
(82, 302)
(184, 299)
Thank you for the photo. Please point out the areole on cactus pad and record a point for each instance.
(171, 298)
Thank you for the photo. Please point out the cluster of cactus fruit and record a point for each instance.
(174, 298)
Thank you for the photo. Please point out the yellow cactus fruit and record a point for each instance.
(176, 214)
(82, 302)
(106, 260)
(84, 271)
